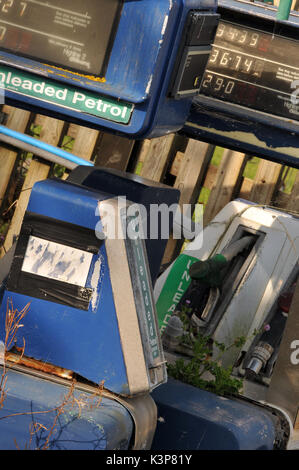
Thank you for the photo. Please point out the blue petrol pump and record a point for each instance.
(248, 99)
(113, 65)
(140, 69)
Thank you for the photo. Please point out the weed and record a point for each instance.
(13, 319)
(203, 369)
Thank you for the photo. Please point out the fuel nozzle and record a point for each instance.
(209, 271)
(270, 339)
(212, 270)
(260, 356)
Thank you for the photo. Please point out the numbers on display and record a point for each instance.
(237, 35)
(3, 30)
(23, 8)
(220, 30)
(6, 5)
(247, 65)
(225, 59)
(207, 81)
(231, 61)
(229, 87)
(254, 40)
(214, 55)
(217, 84)
(243, 37)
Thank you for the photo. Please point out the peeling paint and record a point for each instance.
(164, 25)
(149, 85)
(95, 281)
(248, 138)
(38, 365)
(88, 77)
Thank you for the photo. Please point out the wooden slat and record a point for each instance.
(17, 120)
(210, 178)
(188, 181)
(282, 200)
(227, 177)
(175, 167)
(154, 156)
(191, 170)
(265, 182)
(37, 172)
(85, 140)
(50, 133)
(293, 203)
(50, 129)
(246, 188)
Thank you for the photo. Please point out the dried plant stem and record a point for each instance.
(13, 321)
(61, 409)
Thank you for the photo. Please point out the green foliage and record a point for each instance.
(203, 370)
(67, 145)
(194, 371)
(58, 170)
(35, 130)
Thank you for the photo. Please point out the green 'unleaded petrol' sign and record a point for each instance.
(69, 97)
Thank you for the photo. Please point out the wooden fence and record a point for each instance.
(203, 173)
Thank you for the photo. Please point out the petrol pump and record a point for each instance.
(143, 69)
(130, 68)
(238, 277)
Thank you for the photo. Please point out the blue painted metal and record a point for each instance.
(244, 129)
(193, 419)
(33, 400)
(266, 137)
(44, 146)
(138, 190)
(139, 70)
(86, 342)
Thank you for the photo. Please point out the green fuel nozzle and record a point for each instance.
(209, 271)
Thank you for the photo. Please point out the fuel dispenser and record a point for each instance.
(86, 315)
(144, 69)
(130, 68)
(114, 65)
(240, 282)
(248, 99)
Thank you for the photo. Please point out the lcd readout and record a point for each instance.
(73, 34)
(254, 69)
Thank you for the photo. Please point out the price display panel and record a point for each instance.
(255, 69)
(74, 34)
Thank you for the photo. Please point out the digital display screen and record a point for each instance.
(73, 34)
(255, 69)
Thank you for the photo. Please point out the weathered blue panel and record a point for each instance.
(84, 341)
(139, 70)
(32, 401)
(193, 419)
(243, 128)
